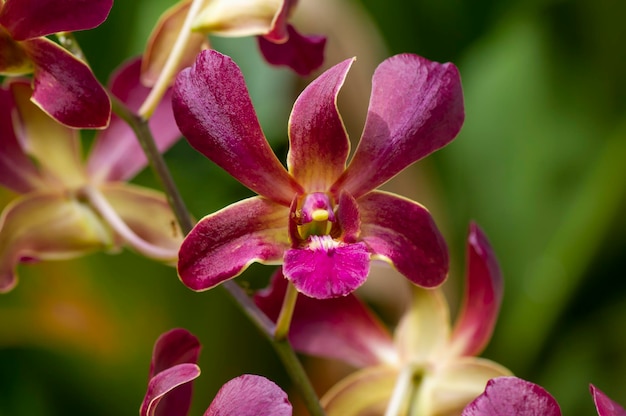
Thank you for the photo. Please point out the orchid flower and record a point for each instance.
(514, 396)
(426, 359)
(67, 207)
(278, 41)
(174, 366)
(64, 86)
(324, 221)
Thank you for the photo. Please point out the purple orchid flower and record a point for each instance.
(515, 396)
(279, 42)
(64, 86)
(67, 207)
(174, 366)
(324, 221)
(426, 358)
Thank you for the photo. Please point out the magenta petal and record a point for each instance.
(403, 232)
(27, 19)
(250, 395)
(17, 171)
(513, 396)
(483, 295)
(327, 268)
(303, 54)
(174, 347)
(163, 383)
(319, 144)
(604, 405)
(223, 244)
(65, 88)
(214, 112)
(341, 328)
(117, 155)
(416, 107)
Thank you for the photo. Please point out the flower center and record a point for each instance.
(315, 215)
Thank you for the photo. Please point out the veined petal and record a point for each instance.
(483, 296)
(17, 171)
(460, 382)
(250, 395)
(362, 393)
(116, 154)
(213, 110)
(416, 107)
(33, 18)
(225, 243)
(46, 227)
(318, 141)
(604, 405)
(402, 232)
(327, 268)
(237, 18)
(147, 213)
(172, 348)
(55, 147)
(163, 383)
(424, 330)
(303, 54)
(513, 396)
(343, 329)
(65, 87)
(162, 39)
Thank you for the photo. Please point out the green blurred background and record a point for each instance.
(540, 164)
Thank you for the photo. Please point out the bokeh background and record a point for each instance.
(540, 164)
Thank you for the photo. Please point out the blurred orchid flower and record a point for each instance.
(67, 207)
(64, 86)
(278, 41)
(427, 359)
(319, 218)
(174, 366)
(514, 396)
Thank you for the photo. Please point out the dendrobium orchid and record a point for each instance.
(514, 396)
(278, 41)
(324, 221)
(174, 366)
(426, 360)
(67, 207)
(63, 85)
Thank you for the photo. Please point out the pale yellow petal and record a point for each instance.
(364, 393)
(56, 148)
(237, 17)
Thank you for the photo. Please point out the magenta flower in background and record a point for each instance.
(174, 366)
(63, 85)
(322, 219)
(67, 207)
(440, 360)
(514, 396)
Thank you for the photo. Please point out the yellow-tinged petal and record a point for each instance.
(56, 148)
(147, 214)
(238, 17)
(457, 384)
(13, 59)
(364, 393)
(424, 330)
(47, 226)
(161, 42)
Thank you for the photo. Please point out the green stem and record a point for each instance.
(283, 348)
(286, 312)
